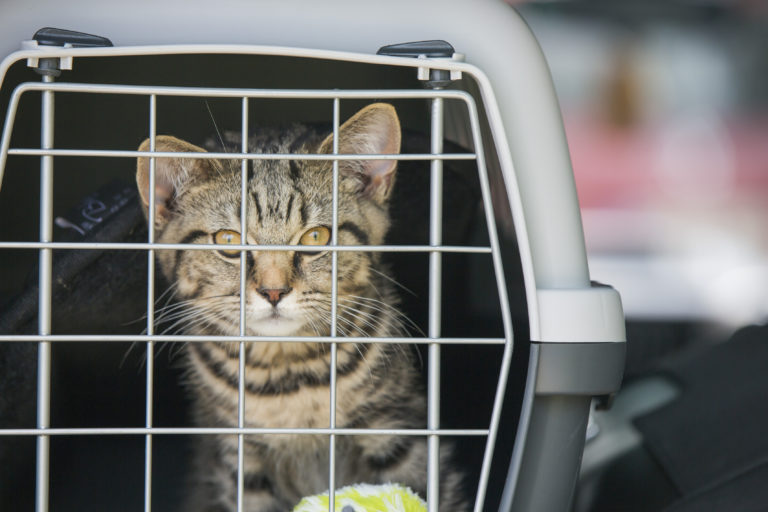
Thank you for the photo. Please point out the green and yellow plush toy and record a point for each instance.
(366, 498)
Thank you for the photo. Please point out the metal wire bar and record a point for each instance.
(220, 92)
(246, 430)
(435, 301)
(150, 305)
(194, 338)
(242, 247)
(334, 309)
(233, 49)
(524, 422)
(45, 286)
(216, 92)
(506, 316)
(243, 277)
(116, 153)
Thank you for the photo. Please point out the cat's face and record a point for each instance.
(288, 203)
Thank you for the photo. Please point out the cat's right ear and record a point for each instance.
(172, 175)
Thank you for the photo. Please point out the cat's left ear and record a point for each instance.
(172, 175)
(374, 130)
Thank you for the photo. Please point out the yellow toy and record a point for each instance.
(366, 498)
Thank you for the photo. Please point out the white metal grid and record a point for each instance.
(435, 249)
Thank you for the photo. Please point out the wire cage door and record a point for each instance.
(434, 250)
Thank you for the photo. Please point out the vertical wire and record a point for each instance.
(243, 269)
(150, 306)
(501, 285)
(334, 299)
(42, 475)
(435, 297)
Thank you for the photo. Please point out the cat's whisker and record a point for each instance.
(319, 314)
(348, 329)
(365, 361)
(175, 350)
(375, 322)
(394, 323)
(386, 308)
(171, 292)
(201, 299)
(177, 310)
(190, 317)
(180, 309)
(340, 323)
(311, 322)
(383, 318)
(368, 320)
(183, 318)
(352, 327)
(393, 281)
(218, 133)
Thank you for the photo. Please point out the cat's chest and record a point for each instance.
(284, 396)
(308, 408)
(273, 399)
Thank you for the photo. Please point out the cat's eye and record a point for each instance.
(227, 237)
(319, 235)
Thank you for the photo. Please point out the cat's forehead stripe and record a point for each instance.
(289, 208)
(257, 204)
(356, 231)
(304, 213)
(293, 166)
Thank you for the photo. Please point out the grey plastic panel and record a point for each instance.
(580, 368)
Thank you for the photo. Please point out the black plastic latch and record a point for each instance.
(433, 49)
(49, 36)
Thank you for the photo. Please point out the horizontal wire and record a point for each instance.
(117, 153)
(236, 430)
(241, 247)
(223, 92)
(128, 338)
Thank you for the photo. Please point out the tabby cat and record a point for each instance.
(288, 293)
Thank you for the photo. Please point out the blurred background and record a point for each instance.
(665, 105)
(666, 112)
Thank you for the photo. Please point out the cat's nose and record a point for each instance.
(274, 295)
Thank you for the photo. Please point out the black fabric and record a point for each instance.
(649, 344)
(93, 291)
(717, 430)
(616, 487)
(91, 288)
(746, 493)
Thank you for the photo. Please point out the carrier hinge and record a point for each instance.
(49, 37)
(432, 50)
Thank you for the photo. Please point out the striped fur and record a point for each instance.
(289, 293)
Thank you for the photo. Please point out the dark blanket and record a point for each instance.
(713, 441)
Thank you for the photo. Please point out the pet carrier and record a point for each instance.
(516, 341)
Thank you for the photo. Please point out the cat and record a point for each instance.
(288, 293)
